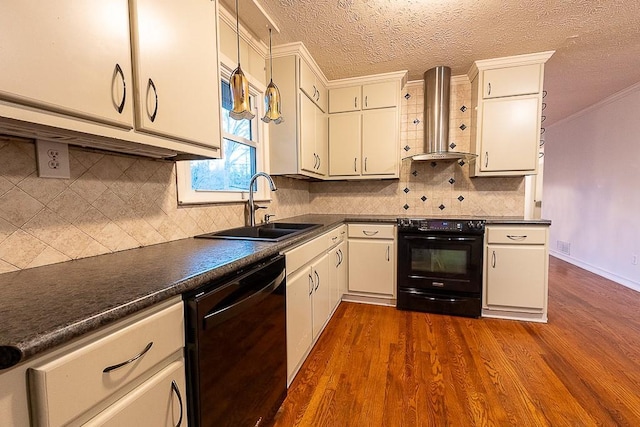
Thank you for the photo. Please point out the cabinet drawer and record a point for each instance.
(372, 231)
(517, 235)
(301, 255)
(157, 402)
(66, 387)
(336, 236)
(511, 81)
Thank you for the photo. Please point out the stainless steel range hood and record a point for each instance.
(436, 118)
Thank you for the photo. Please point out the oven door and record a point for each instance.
(446, 262)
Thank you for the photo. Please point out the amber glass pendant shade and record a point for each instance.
(272, 96)
(240, 96)
(239, 86)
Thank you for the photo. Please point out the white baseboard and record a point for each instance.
(595, 270)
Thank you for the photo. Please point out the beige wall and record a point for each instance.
(111, 203)
(446, 184)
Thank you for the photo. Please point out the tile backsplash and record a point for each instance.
(113, 202)
(110, 203)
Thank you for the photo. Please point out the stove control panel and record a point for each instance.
(475, 226)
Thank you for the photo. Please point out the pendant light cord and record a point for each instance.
(270, 56)
(238, 31)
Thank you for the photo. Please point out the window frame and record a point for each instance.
(187, 195)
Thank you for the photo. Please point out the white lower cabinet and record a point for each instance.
(311, 294)
(515, 272)
(372, 259)
(118, 368)
(159, 402)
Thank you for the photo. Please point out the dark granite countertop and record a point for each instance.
(44, 307)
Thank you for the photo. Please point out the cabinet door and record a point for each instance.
(380, 95)
(510, 134)
(380, 146)
(68, 56)
(160, 401)
(371, 266)
(308, 155)
(510, 81)
(345, 136)
(321, 294)
(343, 271)
(516, 276)
(322, 141)
(176, 69)
(299, 326)
(322, 98)
(345, 99)
(308, 80)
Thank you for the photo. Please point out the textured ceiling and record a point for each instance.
(597, 42)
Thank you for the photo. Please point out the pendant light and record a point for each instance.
(272, 95)
(239, 86)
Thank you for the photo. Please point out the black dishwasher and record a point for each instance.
(236, 347)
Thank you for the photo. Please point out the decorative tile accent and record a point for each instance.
(405, 207)
(461, 163)
(407, 95)
(460, 198)
(406, 190)
(463, 108)
(416, 121)
(452, 145)
(423, 198)
(463, 126)
(452, 181)
(434, 164)
(414, 173)
(407, 148)
(441, 207)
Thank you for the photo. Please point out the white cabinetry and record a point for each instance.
(372, 259)
(298, 146)
(515, 272)
(69, 75)
(311, 294)
(339, 272)
(506, 98)
(363, 129)
(67, 388)
(68, 57)
(176, 68)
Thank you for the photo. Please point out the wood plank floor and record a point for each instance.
(377, 366)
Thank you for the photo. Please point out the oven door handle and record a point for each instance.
(431, 298)
(441, 239)
(225, 313)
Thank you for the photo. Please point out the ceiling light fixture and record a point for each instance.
(239, 86)
(272, 95)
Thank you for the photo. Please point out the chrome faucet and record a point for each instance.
(252, 206)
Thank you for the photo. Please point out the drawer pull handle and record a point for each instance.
(493, 260)
(118, 71)
(150, 86)
(370, 233)
(176, 390)
(517, 238)
(133, 359)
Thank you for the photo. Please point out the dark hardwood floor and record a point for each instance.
(377, 366)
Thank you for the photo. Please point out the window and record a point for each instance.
(242, 155)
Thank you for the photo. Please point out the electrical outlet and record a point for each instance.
(634, 260)
(53, 159)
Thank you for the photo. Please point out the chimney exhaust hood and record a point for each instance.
(436, 118)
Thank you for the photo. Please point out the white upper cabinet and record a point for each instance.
(380, 95)
(512, 81)
(176, 69)
(506, 100)
(312, 85)
(345, 99)
(364, 135)
(69, 57)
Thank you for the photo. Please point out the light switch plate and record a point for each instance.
(53, 159)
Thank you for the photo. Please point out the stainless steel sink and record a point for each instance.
(272, 232)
